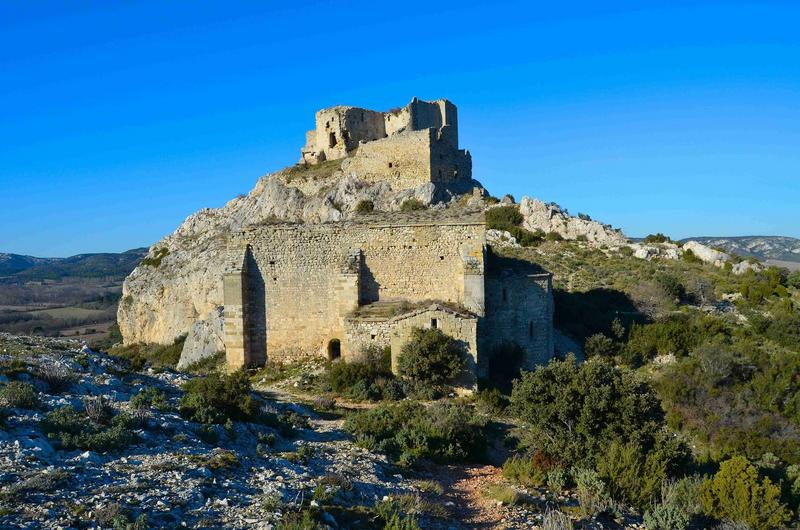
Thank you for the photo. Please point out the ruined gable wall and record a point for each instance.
(348, 125)
(449, 164)
(519, 310)
(306, 295)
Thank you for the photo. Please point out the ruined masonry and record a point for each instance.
(337, 289)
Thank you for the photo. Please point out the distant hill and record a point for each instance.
(18, 268)
(778, 250)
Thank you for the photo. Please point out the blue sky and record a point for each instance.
(119, 119)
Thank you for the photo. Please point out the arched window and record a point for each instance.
(334, 349)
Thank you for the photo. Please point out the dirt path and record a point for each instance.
(463, 486)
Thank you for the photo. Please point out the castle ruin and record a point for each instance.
(334, 290)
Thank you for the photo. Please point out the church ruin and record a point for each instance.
(334, 289)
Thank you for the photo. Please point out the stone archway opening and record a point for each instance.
(334, 349)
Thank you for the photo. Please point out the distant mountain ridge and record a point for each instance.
(765, 248)
(16, 267)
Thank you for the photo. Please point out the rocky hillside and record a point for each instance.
(19, 268)
(176, 290)
(765, 248)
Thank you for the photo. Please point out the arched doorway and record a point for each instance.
(334, 349)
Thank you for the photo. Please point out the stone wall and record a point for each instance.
(519, 310)
(303, 279)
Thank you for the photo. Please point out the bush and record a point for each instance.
(553, 236)
(19, 395)
(598, 345)
(793, 280)
(637, 477)
(666, 517)
(218, 398)
(369, 378)
(737, 493)
(509, 219)
(503, 217)
(591, 491)
(411, 205)
(657, 238)
(408, 432)
(689, 257)
(57, 376)
(555, 520)
(149, 397)
(430, 357)
(529, 471)
(491, 401)
(157, 355)
(365, 206)
(576, 411)
(557, 480)
(76, 431)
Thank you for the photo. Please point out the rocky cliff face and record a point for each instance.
(177, 288)
(552, 218)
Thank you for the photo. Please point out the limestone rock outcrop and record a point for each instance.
(552, 218)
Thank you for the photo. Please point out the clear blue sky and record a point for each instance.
(119, 119)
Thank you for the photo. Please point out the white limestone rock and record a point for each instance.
(551, 218)
(707, 254)
(206, 337)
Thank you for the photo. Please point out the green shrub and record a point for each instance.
(637, 477)
(207, 365)
(149, 397)
(430, 357)
(553, 236)
(690, 257)
(368, 378)
(576, 410)
(217, 398)
(157, 355)
(408, 432)
(591, 491)
(737, 493)
(666, 517)
(657, 238)
(365, 206)
(598, 345)
(491, 401)
(793, 280)
(75, 430)
(411, 205)
(19, 395)
(503, 217)
(529, 471)
(557, 479)
(509, 219)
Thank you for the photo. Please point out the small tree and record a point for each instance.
(431, 357)
(598, 345)
(737, 494)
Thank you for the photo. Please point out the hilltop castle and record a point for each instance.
(405, 147)
(334, 289)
